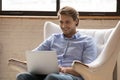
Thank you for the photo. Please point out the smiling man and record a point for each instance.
(70, 45)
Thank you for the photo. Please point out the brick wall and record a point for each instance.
(20, 34)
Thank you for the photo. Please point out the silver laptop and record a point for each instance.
(42, 62)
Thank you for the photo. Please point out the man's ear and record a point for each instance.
(77, 22)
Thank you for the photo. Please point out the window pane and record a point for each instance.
(91, 5)
(28, 5)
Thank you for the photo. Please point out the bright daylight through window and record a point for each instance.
(50, 7)
(91, 5)
(29, 5)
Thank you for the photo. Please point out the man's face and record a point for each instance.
(68, 25)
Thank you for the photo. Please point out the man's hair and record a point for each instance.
(70, 12)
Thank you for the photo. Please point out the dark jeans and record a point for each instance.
(52, 76)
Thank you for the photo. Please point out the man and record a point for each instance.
(69, 45)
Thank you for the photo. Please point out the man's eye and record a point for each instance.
(67, 22)
(61, 22)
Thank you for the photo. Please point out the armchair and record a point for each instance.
(102, 68)
(108, 43)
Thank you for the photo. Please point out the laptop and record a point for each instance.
(42, 62)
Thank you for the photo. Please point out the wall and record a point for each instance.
(20, 34)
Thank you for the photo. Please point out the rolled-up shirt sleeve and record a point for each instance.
(45, 45)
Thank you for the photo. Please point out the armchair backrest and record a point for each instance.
(100, 35)
(109, 54)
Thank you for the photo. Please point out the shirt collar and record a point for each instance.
(75, 36)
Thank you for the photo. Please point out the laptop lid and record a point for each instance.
(42, 62)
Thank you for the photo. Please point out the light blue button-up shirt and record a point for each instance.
(79, 47)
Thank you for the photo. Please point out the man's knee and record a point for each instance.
(52, 77)
(24, 76)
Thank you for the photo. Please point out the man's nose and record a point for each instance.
(64, 25)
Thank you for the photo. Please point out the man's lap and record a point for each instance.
(52, 76)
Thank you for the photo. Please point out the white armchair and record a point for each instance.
(108, 44)
(102, 68)
(108, 48)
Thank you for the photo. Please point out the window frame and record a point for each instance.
(52, 13)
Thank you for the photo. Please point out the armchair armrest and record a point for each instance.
(17, 65)
(78, 62)
(81, 68)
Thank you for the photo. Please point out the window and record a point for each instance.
(50, 7)
(28, 5)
